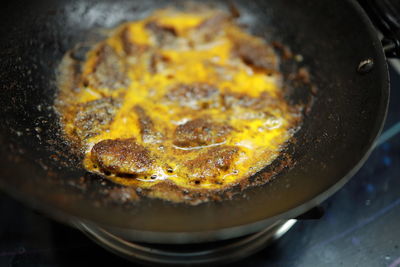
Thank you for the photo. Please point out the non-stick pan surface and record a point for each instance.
(39, 168)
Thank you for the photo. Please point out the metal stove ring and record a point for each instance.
(192, 254)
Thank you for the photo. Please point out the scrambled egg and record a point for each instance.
(188, 98)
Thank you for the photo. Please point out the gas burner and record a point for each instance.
(187, 254)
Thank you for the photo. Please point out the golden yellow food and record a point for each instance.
(187, 99)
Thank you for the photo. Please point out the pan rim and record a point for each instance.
(168, 237)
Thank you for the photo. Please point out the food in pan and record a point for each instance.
(179, 105)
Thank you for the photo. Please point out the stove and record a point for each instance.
(360, 226)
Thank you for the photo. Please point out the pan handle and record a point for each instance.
(385, 14)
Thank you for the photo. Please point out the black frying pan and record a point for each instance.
(38, 167)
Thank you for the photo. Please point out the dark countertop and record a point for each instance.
(361, 226)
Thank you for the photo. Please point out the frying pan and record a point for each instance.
(39, 168)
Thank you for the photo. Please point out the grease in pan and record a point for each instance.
(177, 105)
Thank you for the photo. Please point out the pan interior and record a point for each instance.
(41, 169)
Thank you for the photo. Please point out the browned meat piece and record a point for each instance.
(129, 47)
(210, 163)
(70, 73)
(235, 13)
(164, 35)
(254, 53)
(109, 71)
(303, 75)
(157, 62)
(149, 135)
(94, 117)
(200, 132)
(195, 95)
(121, 157)
(230, 100)
(208, 29)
